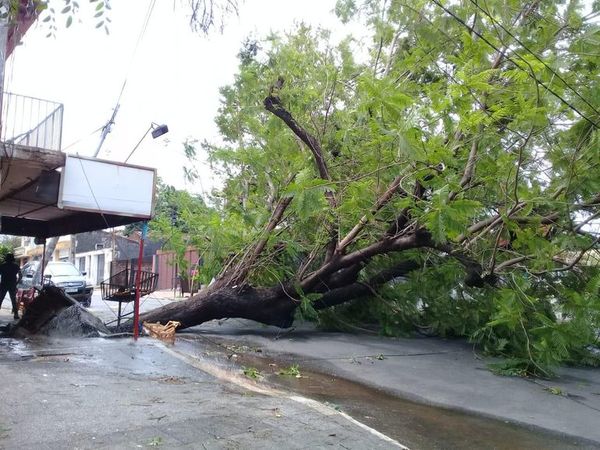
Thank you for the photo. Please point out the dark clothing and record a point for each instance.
(12, 292)
(9, 273)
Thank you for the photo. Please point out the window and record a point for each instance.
(82, 264)
(99, 246)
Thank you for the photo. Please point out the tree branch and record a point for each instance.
(381, 202)
(511, 262)
(274, 106)
(569, 266)
(404, 215)
(385, 245)
(240, 272)
(361, 289)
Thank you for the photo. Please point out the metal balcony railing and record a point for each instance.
(31, 121)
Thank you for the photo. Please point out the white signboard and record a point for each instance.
(89, 184)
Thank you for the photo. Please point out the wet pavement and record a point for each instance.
(444, 374)
(415, 425)
(116, 394)
(424, 393)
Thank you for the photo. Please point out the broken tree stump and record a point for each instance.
(55, 313)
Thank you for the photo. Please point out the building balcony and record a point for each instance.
(46, 193)
(31, 122)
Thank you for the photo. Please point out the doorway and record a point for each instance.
(100, 271)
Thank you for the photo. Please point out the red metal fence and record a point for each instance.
(164, 263)
(131, 264)
(167, 268)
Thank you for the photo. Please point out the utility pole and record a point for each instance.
(107, 129)
(72, 248)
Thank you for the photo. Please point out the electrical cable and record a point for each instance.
(82, 138)
(137, 44)
(107, 127)
(541, 83)
(557, 75)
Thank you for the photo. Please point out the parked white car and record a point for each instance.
(63, 275)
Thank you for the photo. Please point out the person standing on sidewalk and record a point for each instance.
(10, 275)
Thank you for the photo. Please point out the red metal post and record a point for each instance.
(43, 264)
(136, 304)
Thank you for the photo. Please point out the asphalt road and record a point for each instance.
(429, 371)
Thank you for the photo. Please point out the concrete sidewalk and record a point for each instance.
(434, 371)
(113, 393)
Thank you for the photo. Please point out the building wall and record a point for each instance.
(29, 251)
(96, 264)
(94, 253)
(165, 267)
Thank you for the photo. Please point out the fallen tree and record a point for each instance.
(460, 160)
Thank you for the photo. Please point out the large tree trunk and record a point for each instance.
(269, 306)
(272, 306)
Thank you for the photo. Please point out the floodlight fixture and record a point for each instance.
(158, 130)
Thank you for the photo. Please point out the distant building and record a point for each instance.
(94, 252)
(29, 251)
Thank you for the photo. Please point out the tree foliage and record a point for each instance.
(204, 15)
(178, 215)
(8, 244)
(457, 147)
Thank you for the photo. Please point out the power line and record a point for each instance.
(137, 44)
(535, 56)
(531, 75)
(82, 138)
(107, 128)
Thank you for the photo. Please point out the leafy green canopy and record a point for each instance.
(481, 117)
(178, 216)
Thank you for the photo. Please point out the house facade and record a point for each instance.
(94, 251)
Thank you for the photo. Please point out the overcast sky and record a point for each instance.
(173, 78)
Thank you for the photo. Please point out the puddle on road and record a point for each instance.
(415, 425)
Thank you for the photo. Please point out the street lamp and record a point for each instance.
(157, 131)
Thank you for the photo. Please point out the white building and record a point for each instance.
(94, 252)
